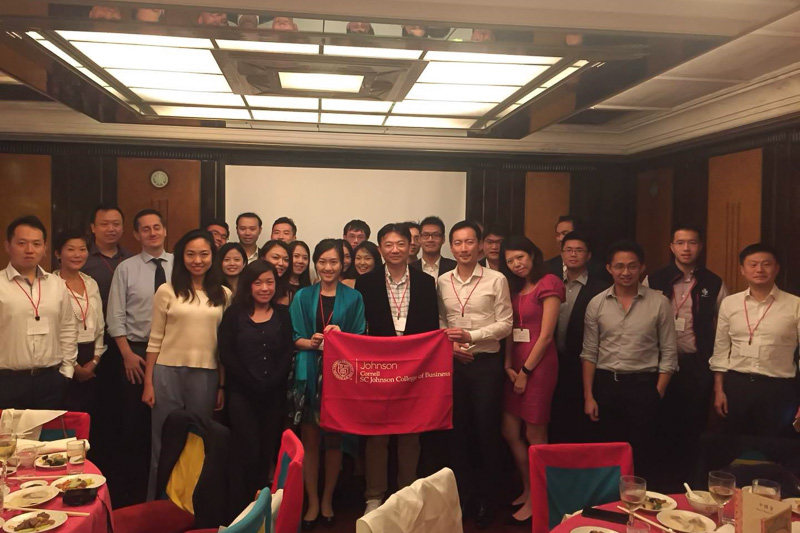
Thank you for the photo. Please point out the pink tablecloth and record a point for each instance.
(96, 522)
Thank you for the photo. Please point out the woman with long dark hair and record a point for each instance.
(366, 258)
(348, 275)
(301, 272)
(278, 253)
(316, 310)
(256, 348)
(182, 369)
(232, 259)
(531, 360)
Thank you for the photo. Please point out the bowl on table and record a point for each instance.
(705, 504)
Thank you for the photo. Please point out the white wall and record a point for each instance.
(322, 200)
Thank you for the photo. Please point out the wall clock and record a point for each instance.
(159, 179)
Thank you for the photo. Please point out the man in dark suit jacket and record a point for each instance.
(431, 240)
(582, 284)
(398, 300)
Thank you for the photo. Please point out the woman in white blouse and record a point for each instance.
(183, 370)
(72, 252)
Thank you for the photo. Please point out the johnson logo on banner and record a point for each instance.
(343, 370)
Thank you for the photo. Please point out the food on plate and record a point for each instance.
(75, 483)
(54, 459)
(34, 523)
(653, 504)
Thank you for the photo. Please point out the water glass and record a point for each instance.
(632, 491)
(638, 526)
(27, 457)
(76, 456)
(767, 488)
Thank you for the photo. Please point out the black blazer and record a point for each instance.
(445, 265)
(423, 307)
(574, 338)
(556, 267)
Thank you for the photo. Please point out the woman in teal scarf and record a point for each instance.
(315, 310)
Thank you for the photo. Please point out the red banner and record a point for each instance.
(387, 385)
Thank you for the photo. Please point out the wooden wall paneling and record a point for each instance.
(734, 212)
(26, 184)
(780, 218)
(208, 192)
(81, 183)
(474, 208)
(690, 193)
(179, 201)
(546, 198)
(654, 204)
(495, 195)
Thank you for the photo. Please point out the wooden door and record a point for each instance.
(654, 216)
(546, 198)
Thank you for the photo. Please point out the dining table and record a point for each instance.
(99, 519)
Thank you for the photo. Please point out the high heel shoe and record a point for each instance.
(309, 525)
(328, 521)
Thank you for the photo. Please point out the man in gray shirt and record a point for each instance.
(629, 354)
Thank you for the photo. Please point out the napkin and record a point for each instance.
(727, 528)
(52, 446)
(27, 422)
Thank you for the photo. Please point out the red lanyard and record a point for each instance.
(397, 306)
(322, 313)
(686, 296)
(753, 330)
(38, 301)
(464, 305)
(84, 314)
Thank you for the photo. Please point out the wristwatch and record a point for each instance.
(527, 371)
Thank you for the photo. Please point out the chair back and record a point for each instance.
(70, 424)
(259, 517)
(568, 477)
(289, 477)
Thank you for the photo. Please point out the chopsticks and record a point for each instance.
(38, 477)
(643, 519)
(30, 510)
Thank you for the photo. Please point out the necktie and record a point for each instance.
(161, 275)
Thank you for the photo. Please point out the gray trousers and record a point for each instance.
(178, 387)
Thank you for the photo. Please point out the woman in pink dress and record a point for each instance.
(531, 360)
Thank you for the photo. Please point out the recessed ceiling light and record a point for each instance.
(190, 97)
(359, 120)
(153, 79)
(35, 35)
(282, 102)
(60, 53)
(531, 95)
(421, 107)
(491, 58)
(309, 81)
(480, 73)
(509, 109)
(580, 63)
(135, 38)
(366, 106)
(201, 112)
(92, 76)
(566, 73)
(460, 93)
(286, 116)
(425, 122)
(117, 94)
(381, 53)
(261, 46)
(131, 56)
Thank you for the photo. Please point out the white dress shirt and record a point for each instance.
(775, 337)
(28, 343)
(90, 304)
(487, 309)
(399, 294)
(431, 270)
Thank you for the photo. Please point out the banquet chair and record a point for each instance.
(568, 477)
(289, 477)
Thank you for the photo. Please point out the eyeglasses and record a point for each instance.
(220, 235)
(426, 236)
(684, 243)
(619, 267)
(576, 251)
(493, 242)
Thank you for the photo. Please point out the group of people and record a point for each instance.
(572, 349)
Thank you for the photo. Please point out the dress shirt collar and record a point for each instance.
(476, 272)
(94, 250)
(392, 281)
(147, 257)
(435, 264)
(640, 292)
(583, 279)
(12, 273)
(772, 294)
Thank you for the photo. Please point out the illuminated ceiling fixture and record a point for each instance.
(460, 93)
(564, 74)
(135, 38)
(153, 79)
(94, 77)
(201, 112)
(531, 95)
(190, 97)
(425, 122)
(362, 106)
(356, 120)
(380, 53)
(131, 56)
(286, 116)
(261, 46)
(60, 53)
(480, 73)
(282, 102)
(309, 81)
(422, 107)
(491, 58)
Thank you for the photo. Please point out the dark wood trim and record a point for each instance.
(208, 192)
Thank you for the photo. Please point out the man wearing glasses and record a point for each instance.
(220, 231)
(431, 240)
(492, 242)
(629, 355)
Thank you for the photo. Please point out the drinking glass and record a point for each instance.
(638, 526)
(27, 457)
(8, 445)
(632, 491)
(721, 485)
(767, 488)
(76, 456)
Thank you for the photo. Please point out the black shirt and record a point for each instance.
(257, 344)
(327, 310)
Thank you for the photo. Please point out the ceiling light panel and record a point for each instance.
(35, 35)
(190, 97)
(135, 38)
(307, 81)
(460, 93)
(509, 109)
(60, 53)
(201, 112)
(381, 53)
(491, 58)
(283, 102)
(421, 107)
(425, 122)
(564, 74)
(92, 76)
(260, 46)
(130, 56)
(286, 116)
(359, 106)
(480, 73)
(358, 120)
(531, 95)
(153, 79)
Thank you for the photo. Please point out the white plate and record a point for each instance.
(589, 529)
(34, 483)
(39, 462)
(668, 506)
(6, 490)
(678, 520)
(96, 479)
(795, 504)
(2, 522)
(57, 516)
(31, 497)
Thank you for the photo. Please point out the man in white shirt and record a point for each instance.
(248, 228)
(38, 331)
(753, 363)
(431, 241)
(475, 309)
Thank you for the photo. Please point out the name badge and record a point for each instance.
(521, 335)
(399, 323)
(38, 327)
(750, 349)
(680, 324)
(463, 322)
